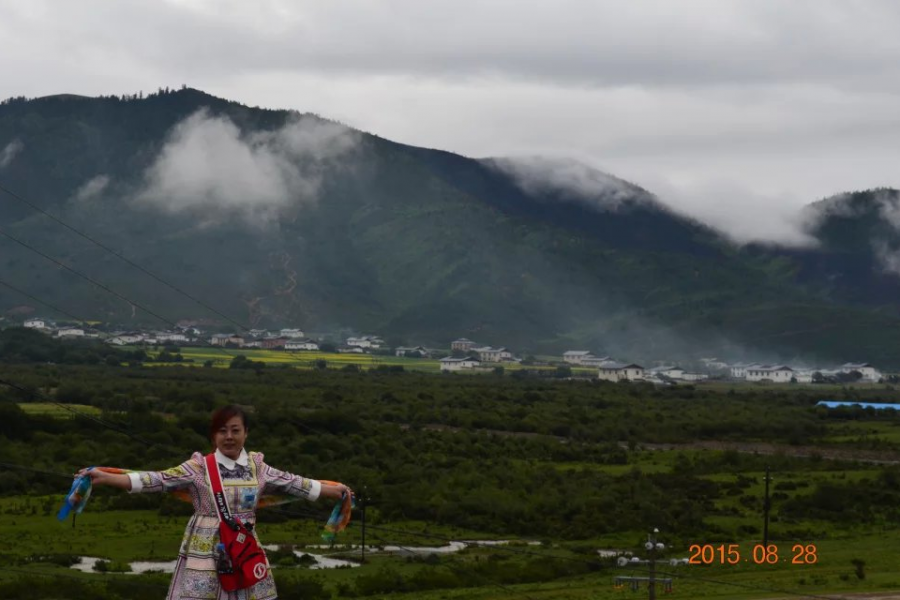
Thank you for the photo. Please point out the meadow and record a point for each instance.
(567, 467)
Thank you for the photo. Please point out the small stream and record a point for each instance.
(322, 561)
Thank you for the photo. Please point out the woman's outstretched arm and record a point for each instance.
(182, 476)
(98, 477)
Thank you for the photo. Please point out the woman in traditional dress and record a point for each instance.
(245, 477)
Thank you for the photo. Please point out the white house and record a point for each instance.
(462, 344)
(458, 364)
(779, 374)
(739, 370)
(488, 354)
(290, 333)
(170, 336)
(301, 345)
(868, 372)
(576, 357)
(620, 372)
(258, 333)
(366, 341)
(71, 332)
(126, 339)
(693, 376)
(219, 339)
(666, 371)
(404, 351)
(805, 376)
(595, 361)
(38, 323)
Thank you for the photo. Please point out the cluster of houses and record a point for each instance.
(610, 370)
(469, 355)
(784, 373)
(289, 339)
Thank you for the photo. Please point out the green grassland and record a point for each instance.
(222, 357)
(576, 466)
(56, 411)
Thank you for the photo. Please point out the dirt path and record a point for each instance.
(826, 452)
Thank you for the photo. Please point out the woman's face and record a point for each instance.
(230, 437)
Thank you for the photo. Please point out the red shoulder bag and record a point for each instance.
(240, 562)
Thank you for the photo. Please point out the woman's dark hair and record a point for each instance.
(223, 415)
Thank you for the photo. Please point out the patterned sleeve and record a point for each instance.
(176, 478)
(281, 482)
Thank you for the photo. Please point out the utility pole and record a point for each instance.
(767, 504)
(652, 546)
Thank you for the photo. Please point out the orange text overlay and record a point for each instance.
(733, 554)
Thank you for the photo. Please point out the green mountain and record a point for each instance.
(276, 218)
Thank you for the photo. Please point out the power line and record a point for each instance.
(120, 256)
(40, 396)
(33, 470)
(85, 277)
(45, 303)
(128, 300)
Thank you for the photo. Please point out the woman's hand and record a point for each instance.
(100, 477)
(335, 490)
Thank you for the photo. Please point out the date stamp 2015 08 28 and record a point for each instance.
(730, 554)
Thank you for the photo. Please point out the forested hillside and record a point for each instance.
(277, 218)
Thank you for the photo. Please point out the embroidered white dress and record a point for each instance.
(244, 481)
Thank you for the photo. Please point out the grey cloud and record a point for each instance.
(572, 42)
(92, 188)
(888, 258)
(794, 101)
(208, 165)
(742, 214)
(538, 174)
(9, 152)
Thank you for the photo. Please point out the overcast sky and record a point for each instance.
(738, 112)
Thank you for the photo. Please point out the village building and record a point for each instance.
(668, 371)
(576, 357)
(126, 338)
(739, 370)
(459, 364)
(70, 332)
(219, 339)
(868, 372)
(366, 341)
(462, 344)
(488, 354)
(163, 337)
(687, 376)
(273, 343)
(620, 372)
(258, 333)
(36, 323)
(290, 333)
(804, 376)
(596, 361)
(776, 374)
(419, 351)
(301, 344)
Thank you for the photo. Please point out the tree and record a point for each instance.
(242, 362)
